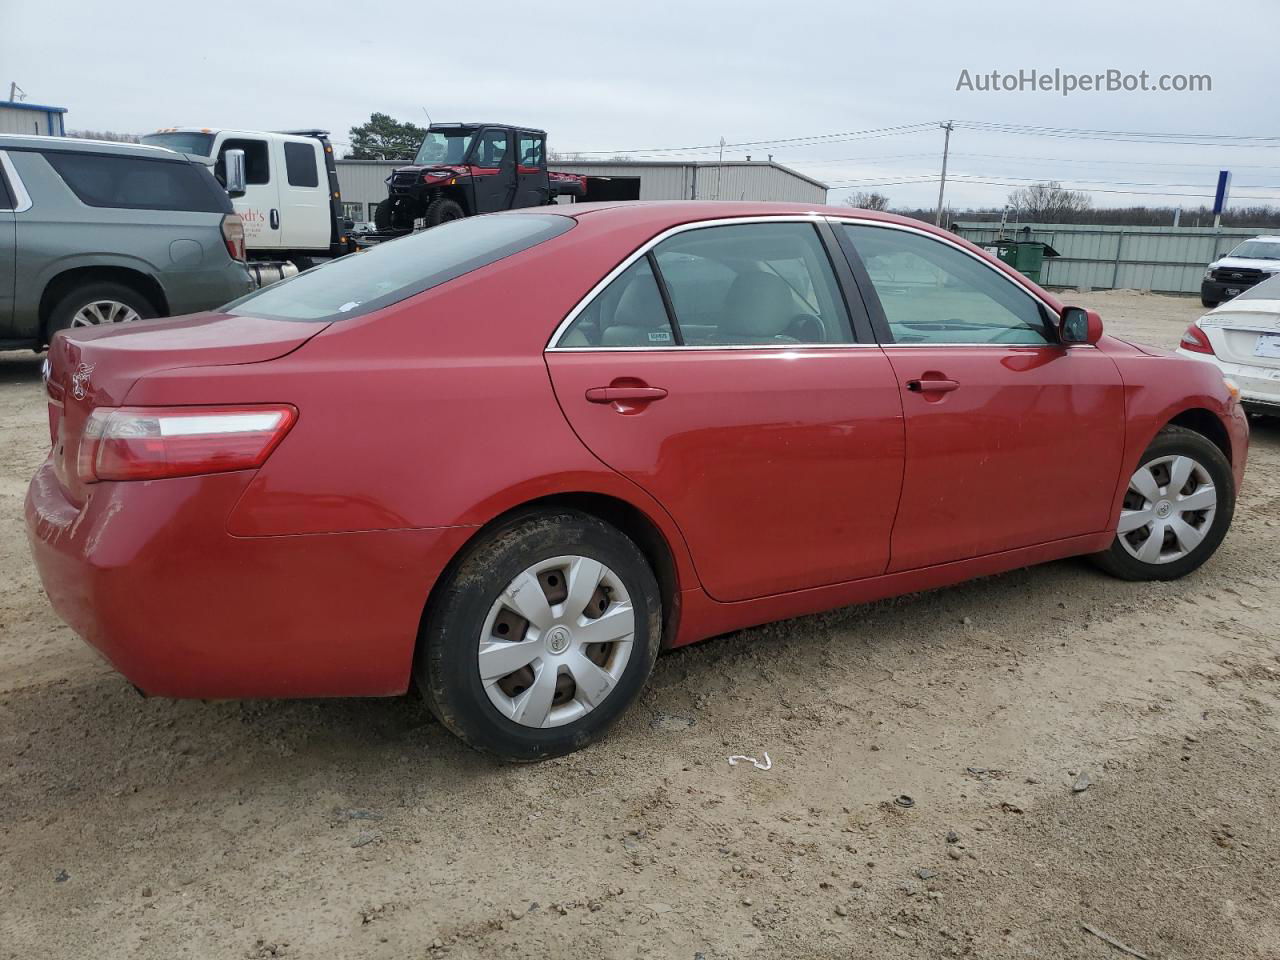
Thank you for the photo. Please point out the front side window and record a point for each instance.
(441, 147)
(399, 269)
(138, 183)
(492, 149)
(300, 165)
(257, 164)
(627, 313)
(932, 292)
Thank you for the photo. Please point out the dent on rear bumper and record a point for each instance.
(147, 574)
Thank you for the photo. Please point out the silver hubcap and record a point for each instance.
(1168, 509)
(556, 641)
(104, 311)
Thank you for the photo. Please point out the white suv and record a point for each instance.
(1249, 263)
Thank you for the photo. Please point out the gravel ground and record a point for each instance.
(152, 828)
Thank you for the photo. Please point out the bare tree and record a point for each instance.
(1049, 203)
(867, 201)
(103, 135)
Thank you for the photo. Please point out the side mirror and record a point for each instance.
(234, 160)
(1078, 325)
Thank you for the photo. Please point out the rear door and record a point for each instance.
(8, 249)
(259, 208)
(532, 186)
(1012, 439)
(770, 434)
(306, 208)
(493, 170)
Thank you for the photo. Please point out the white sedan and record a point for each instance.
(1242, 339)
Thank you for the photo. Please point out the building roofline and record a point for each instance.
(640, 163)
(21, 105)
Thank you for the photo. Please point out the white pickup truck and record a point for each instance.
(291, 205)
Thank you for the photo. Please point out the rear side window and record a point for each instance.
(6, 195)
(627, 313)
(300, 165)
(531, 152)
(137, 183)
(394, 271)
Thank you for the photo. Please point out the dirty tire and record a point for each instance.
(382, 215)
(99, 291)
(1179, 441)
(446, 667)
(443, 210)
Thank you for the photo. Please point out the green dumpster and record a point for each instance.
(1025, 256)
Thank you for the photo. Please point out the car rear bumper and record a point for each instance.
(1258, 385)
(147, 574)
(191, 291)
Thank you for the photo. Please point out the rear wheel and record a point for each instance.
(442, 210)
(98, 303)
(1176, 510)
(542, 636)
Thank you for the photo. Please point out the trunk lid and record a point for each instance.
(97, 366)
(1246, 332)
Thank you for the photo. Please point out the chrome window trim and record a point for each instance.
(810, 218)
(21, 199)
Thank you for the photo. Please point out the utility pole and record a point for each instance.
(720, 168)
(942, 184)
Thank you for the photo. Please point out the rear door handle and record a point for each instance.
(933, 386)
(625, 394)
(275, 219)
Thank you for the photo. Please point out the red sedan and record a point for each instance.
(510, 458)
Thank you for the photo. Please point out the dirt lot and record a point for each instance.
(151, 828)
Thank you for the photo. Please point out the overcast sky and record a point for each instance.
(658, 74)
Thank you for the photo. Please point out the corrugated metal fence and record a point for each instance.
(1167, 259)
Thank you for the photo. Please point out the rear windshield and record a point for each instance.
(390, 272)
(139, 183)
(201, 144)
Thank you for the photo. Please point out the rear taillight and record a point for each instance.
(233, 235)
(1195, 341)
(149, 443)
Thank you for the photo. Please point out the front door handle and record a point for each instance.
(931, 385)
(625, 394)
(275, 219)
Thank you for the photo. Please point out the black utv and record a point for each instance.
(467, 168)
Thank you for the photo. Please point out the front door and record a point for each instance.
(532, 186)
(1012, 439)
(772, 438)
(259, 208)
(493, 170)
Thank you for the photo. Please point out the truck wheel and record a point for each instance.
(382, 215)
(1206, 302)
(98, 303)
(443, 210)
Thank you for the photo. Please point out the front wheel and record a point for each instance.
(541, 637)
(1207, 302)
(1176, 510)
(442, 210)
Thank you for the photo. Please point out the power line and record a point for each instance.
(871, 134)
(1005, 183)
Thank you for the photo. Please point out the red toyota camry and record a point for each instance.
(510, 458)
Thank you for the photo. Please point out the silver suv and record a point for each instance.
(95, 232)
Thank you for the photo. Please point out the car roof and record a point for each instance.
(468, 126)
(75, 144)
